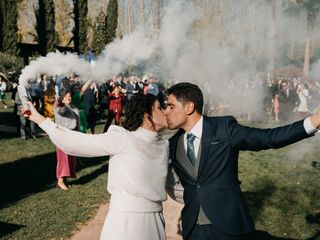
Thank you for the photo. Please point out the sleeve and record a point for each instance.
(256, 139)
(173, 186)
(308, 126)
(85, 145)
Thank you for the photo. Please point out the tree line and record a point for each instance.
(104, 31)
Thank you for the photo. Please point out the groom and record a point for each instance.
(204, 154)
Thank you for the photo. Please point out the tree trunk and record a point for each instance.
(253, 28)
(221, 38)
(120, 31)
(130, 17)
(272, 36)
(142, 13)
(306, 56)
(157, 15)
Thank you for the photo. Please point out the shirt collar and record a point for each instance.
(197, 129)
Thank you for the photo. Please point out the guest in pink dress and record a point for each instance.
(67, 116)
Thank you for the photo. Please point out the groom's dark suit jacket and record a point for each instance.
(217, 187)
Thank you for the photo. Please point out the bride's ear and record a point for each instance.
(147, 121)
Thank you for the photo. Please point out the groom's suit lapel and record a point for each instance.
(207, 139)
(173, 154)
(177, 164)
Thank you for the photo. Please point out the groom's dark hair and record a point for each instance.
(188, 92)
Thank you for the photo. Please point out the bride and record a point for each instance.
(137, 167)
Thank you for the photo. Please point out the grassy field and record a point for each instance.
(31, 205)
(281, 187)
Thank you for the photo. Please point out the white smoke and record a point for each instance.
(55, 64)
(221, 46)
(120, 54)
(114, 59)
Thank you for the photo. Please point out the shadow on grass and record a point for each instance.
(315, 237)
(32, 175)
(8, 125)
(8, 228)
(9, 128)
(256, 200)
(313, 218)
(262, 235)
(87, 178)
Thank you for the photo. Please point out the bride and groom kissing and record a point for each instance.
(202, 171)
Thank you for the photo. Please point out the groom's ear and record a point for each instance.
(190, 108)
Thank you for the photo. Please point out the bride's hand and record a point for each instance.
(33, 114)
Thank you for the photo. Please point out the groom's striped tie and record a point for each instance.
(190, 148)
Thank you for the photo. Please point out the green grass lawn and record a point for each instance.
(281, 187)
(31, 205)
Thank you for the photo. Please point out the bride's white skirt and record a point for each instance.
(132, 218)
(133, 226)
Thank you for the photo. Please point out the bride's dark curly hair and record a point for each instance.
(135, 108)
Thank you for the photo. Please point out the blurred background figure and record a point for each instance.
(287, 98)
(89, 100)
(66, 115)
(78, 91)
(115, 107)
(103, 96)
(3, 87)
(23, 122)
(49, 97)
(303, 94)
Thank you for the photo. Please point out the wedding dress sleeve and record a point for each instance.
(85, 145)
(173, 186)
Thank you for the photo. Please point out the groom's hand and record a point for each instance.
(315, 119)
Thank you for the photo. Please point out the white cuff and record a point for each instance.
(308, 126)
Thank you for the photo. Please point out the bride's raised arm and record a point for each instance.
(81, 144)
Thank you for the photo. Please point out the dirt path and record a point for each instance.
(91, 231)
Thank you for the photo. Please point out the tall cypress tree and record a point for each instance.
(1, 24)
(99, 35)
(81, 26)
(112, 20)
(10, 36)
(45, 27)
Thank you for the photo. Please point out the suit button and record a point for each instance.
(198, 185)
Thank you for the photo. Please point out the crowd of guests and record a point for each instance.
(291, 99)
(78, 104)
(94, 101)
(284, 98)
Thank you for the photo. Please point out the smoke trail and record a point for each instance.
(120, 54)
(113, 60)
(55, 64)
